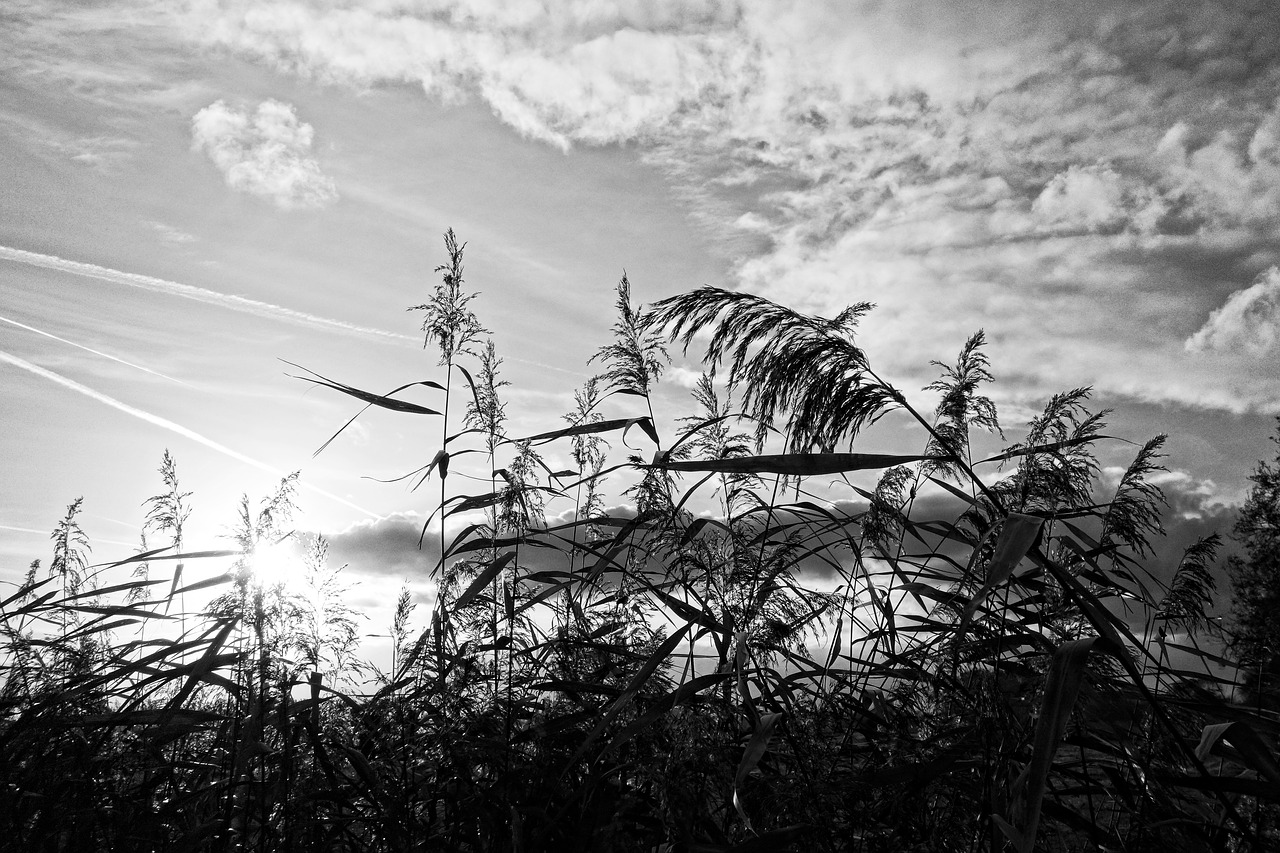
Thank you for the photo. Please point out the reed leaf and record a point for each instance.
(791, 464)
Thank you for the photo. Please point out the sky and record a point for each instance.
(193, 192)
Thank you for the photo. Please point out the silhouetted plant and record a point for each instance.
(724, 665)
(1255, 613)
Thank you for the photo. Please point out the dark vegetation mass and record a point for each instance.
(773, 672)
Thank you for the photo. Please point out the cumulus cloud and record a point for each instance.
(1228, 180)
(584, 71)
(1078, 179)
(1089, 197)
(264, 152)
(684, 377)
(1192, 497)
(387, 547)
(1197, 509)
(1249, 321)
(1096, 198)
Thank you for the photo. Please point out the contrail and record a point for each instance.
(164, 423)
(223, 300)
(94, 351)
(199, 294)
(96, 540)
(24, 530)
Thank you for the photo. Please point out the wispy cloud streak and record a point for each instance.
(235, 303)
(166, 424)
(24, 530)
(91, 350)
(263, 310)
(45, 533)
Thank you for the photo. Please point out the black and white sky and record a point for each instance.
(191, 190)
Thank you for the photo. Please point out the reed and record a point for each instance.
(783, 671)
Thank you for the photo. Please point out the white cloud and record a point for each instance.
(593, 72)
(1069, 177)
(264, 152)
(1099, 199)
(1229, 179)
(1088, 197)
(1249, 321)
(685, 377)
(387, 546)
(1264, 146)
(1193, 495)
(170, 234)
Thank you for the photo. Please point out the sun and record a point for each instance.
(277, 566)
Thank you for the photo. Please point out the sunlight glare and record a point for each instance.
(276, 565)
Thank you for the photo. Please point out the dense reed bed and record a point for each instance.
(959, 654)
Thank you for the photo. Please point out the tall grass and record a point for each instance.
(973, 654)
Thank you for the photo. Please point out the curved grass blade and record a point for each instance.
(1016, 538)
(382, 401)
(1051, 447)
(751, 756)
(655, 660)
(794, 464)
(189, 555)
(483, 579)
(1251, 749)
(592, 427)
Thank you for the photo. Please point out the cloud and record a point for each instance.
(386, 547)
(1193, 497)
(265, 153)
(1098, 199)
(1229, 180)
(1188, 496)
(170, 234)
(104, 153)
(590, 72)
(1082, 180)
(1196, 511)
(684, 377)
(1088, 197)
(1249, 321)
